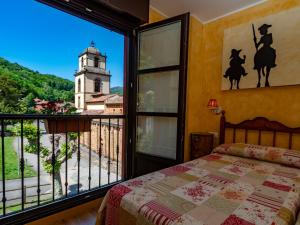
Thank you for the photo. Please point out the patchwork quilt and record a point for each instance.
(235, 185)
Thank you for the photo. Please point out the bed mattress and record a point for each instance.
(236, 184)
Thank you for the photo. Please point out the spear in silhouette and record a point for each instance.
(254, 37)
(256, 46)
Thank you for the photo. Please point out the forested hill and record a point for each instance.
(20, 85)
(116, 90)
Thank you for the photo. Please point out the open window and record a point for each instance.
(79, 86)
(160, 103)
(97, 85)
(96, 62)
(75, 157)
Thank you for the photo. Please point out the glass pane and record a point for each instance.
(157, 136)
(160, 46)
(158, 92)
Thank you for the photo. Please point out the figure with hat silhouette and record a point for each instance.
(265, 57)
(236, 70)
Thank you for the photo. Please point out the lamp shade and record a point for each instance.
(212, 104)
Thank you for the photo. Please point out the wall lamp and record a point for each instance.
(214, 107)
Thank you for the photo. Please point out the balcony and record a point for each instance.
(53, 161)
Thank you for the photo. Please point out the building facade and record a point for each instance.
(93, 97)
(91, 78)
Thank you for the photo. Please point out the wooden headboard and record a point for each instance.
(258, 124)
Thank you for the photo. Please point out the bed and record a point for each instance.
(239, 183)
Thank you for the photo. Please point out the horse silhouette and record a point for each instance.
(265, 57)
(236, 70)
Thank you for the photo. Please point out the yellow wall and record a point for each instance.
(155, 16)
(204, 77)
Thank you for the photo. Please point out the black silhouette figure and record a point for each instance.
(265, 57)
(236, 70)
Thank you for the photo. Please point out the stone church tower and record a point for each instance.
(92, 79)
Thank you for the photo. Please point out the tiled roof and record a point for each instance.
(37, 100)
(42, 102)
(117, 99)
(102, 98)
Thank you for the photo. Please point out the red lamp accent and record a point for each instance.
(214, 107)
(212, 104)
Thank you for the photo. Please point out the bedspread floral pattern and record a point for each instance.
(266, 153)
(217, 189)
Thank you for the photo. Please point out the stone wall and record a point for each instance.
(107, 148)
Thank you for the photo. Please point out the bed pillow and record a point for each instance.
(265, 153)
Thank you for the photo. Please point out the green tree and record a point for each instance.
(9, 93)
(61, 151)
(20, 85)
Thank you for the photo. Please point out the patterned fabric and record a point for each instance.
(266, 153)
(217, 189)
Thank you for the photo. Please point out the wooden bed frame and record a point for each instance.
(258, 124)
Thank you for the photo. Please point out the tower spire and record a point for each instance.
(92, 44)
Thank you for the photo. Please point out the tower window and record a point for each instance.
(98, 85)
(79, 102)
(82, 62)
(96, 62)
(79, 85)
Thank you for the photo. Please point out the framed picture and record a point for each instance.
(263, 53)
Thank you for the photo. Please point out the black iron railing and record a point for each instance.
(46, 159)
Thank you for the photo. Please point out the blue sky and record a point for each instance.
(49, 41)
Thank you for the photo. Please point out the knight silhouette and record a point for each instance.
(236, 69)
(265, 57)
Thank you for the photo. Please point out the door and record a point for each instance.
(160, 96)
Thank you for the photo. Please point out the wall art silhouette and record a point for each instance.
(271, 46)
(265, 56)
(236, 69)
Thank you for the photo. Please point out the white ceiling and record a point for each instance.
(204, 10)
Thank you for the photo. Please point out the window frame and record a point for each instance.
(97, 85)
(96, 62)
(180, 114)
(122, 24)
(82, 62)
(79, 85)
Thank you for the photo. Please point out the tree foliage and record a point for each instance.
(62, 152)
(9, 93)
(20, 85)
(117, 90)
(30, 132)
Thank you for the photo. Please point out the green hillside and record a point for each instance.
(20, 85)
(116, 90)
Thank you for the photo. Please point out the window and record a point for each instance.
(98, 85)
(96, 62)
(79, 85)
(160, 82)
(82, 62)
(66, 90)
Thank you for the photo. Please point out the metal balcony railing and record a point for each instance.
(47, 159)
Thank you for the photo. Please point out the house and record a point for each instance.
(108, 104)
(180, 69)
(53, 106)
